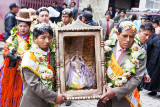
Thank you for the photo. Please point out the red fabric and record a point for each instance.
(1, 36)
(107, 33)
(48, 59)
(6, 50)
(122, 50)
(27, 39)
(11, 86)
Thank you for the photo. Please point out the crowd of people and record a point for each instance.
(27, 76)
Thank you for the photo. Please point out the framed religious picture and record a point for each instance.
(80, 61)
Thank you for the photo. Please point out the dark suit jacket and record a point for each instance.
(75, 13)
(10, 22)
(120, 92)
(153, 64)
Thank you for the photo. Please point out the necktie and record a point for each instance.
(48, 59)
(107, 33)
(122, 50)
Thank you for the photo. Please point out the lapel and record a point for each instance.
(114, 50)
(104, 22)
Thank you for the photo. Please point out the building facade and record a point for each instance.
(149, 4)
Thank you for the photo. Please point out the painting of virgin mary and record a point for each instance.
(77, 75)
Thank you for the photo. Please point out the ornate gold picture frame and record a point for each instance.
(80, 61)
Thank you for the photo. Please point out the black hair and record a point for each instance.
(157, 22)
(42, 9)
(134, 17)
(119, 29)
(74, 3)
(65, 4)
(28, 23)
(108, 13)
(24, 6)
(67, 11)
(55, 2)
(41, 29)
(117, 8)
(37, 13)
(147, 26)
(124, 11)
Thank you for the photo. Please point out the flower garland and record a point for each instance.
(61, 24)
(46, 74)
(12, 42)
(137, 53)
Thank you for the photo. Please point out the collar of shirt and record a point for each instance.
(137, 36)
(107, 20)
(44, 52)
(24, 36)
(72, 8)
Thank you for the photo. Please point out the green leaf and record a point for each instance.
(9, 44)
(133, 70)
(142, 56)
(14, 30)
(70, 88)
(111, 81)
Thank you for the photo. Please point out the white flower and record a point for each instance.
(11, 48)
(135, 47)
(109, 84)
(43, 69)
(107, 48)
(49, 71)
(135, 54)
(127, 74)
(46, 76)
(135, 61)
(128, 64)
(124, 79)
(107, 42)
(113, 37)
(53, 50)
(118, 83)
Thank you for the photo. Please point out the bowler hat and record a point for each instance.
(13, 5)
(33, 13)
(24, 15)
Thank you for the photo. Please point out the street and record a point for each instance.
(147, 101)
